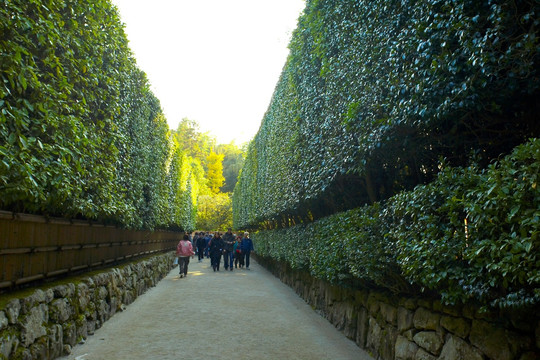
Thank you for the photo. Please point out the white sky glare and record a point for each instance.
(213, 61)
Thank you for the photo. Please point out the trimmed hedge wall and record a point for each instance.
(81, 134)
(471, 235)
(374, 92)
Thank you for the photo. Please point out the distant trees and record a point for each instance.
(214, 212)
(215, 171)
(216, 168)
(233, 160)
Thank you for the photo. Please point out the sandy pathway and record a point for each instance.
(243, 314)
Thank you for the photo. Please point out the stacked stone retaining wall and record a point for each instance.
(390, 327)
(50, 321)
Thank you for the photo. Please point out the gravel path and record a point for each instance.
(243, 314)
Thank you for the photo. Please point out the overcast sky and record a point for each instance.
(213, 61)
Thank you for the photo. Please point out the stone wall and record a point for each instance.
(49, 322)
(391, 328)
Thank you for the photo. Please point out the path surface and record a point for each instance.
(243, 314)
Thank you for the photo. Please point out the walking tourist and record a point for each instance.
(201, 246)
(247, 248)
(228, 253)
(238, 256)
(207, 238)
(184, 250)
(216, 248)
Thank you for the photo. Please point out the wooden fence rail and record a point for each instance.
(34, 247)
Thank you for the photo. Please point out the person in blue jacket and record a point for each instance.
(247, 248)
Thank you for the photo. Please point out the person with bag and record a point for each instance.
(238, 256)
(184, 250)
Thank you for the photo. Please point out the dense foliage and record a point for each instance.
(233, 160)
(217, 167)
(374, 92)
(81, 134)
(470, 235)
(214, 212)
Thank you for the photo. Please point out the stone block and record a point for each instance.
(69, 330)
(405, 349)
(3, 320)
(64, 291)
(60, 311)
(426, 303)
(49, 295)
(422, 354)
(362, 327)
(25, 354)
(373, 305)
(452, 310)
(31, 301)
(426, 320)
(103, 311)
(496, 342)
(91, 327)
(361, 297)
(389, 313)
(56, 341)
(387, 349)
(12, 310)
(350, 319)
(404, 319)
(82, 328)
(409, 334)
(456, 348)
(82, 292)
(430, 341)
(39, 350)
(33, 325)
(374, 337)
(101, 293)
(409, 304)
(457, 326)
(8, 343)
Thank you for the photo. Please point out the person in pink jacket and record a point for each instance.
(184, 250)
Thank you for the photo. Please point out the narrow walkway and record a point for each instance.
(243, 314)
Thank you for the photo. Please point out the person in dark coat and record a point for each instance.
(228, 254)
(247, 248)
(216, 249)
(201, 246)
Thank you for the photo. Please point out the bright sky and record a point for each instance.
(213, 61)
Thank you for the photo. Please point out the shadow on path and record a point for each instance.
(240, 314)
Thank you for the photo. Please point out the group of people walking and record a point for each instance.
(235, 250)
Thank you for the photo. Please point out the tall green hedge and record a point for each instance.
(374, 92)
(471, 235)
(81, 134)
